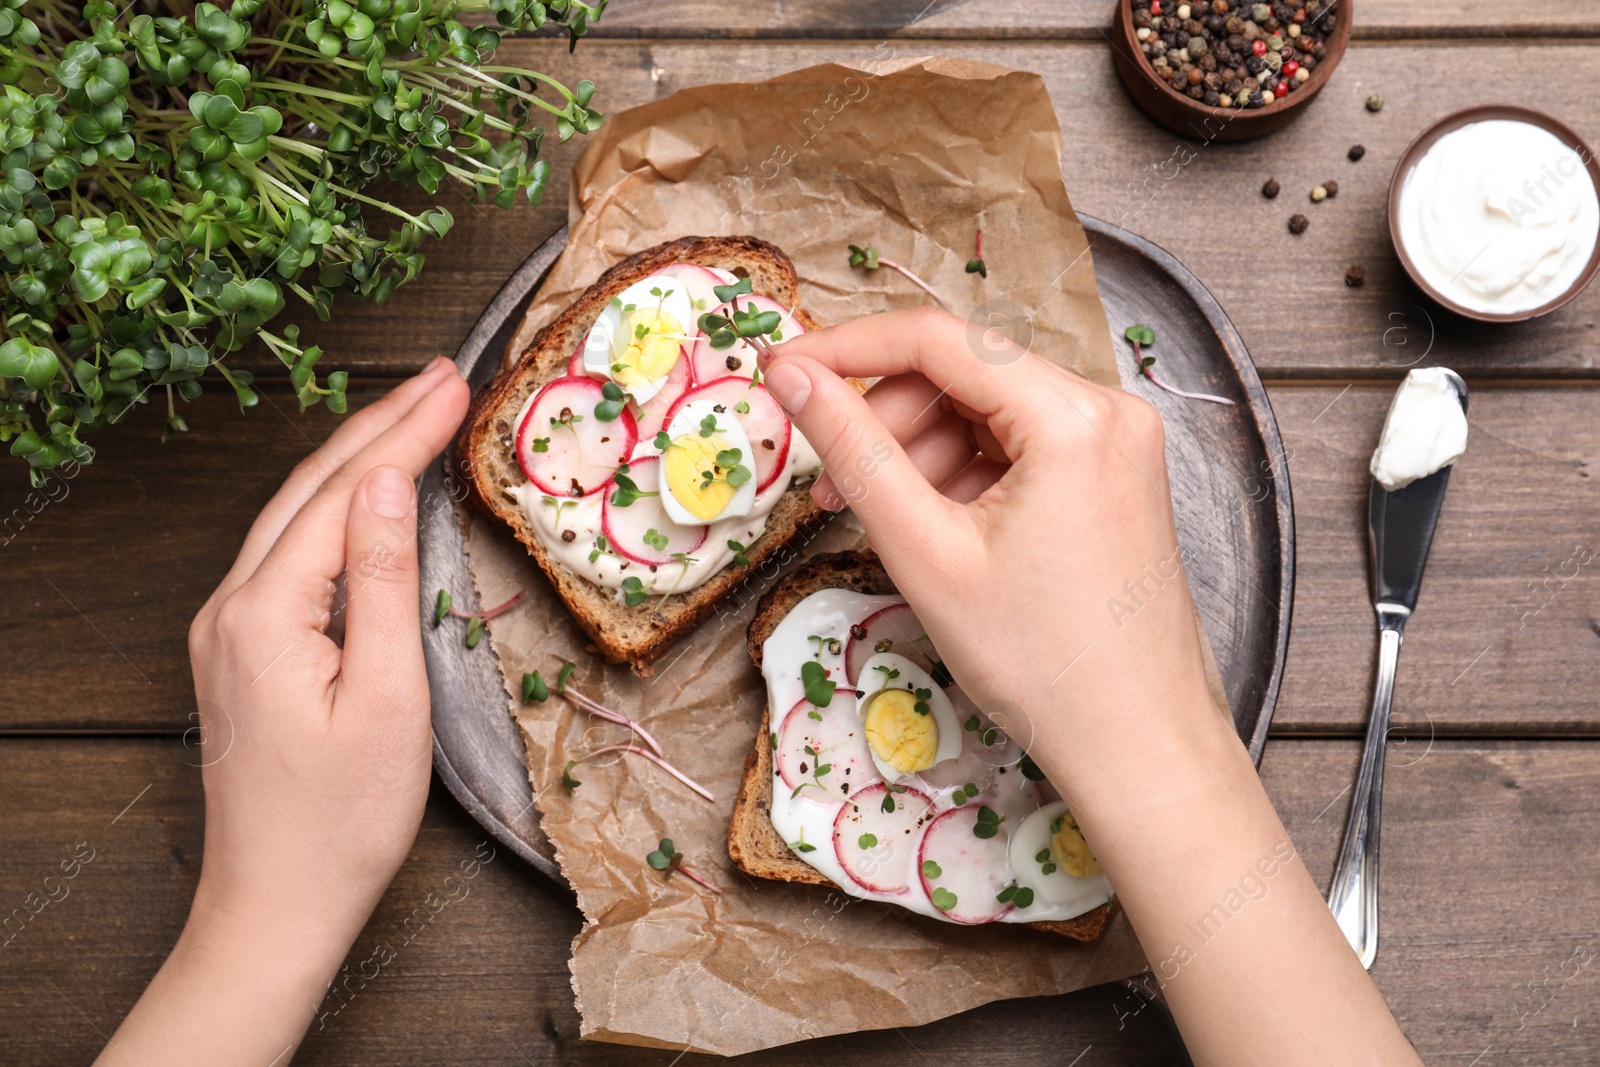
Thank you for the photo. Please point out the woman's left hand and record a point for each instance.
(315, 755)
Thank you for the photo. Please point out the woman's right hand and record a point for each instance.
(1025, 514)
(1022, 510)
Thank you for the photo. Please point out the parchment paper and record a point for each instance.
(910, 156)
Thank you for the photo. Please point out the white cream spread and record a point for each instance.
(1426, 429)
(1499, 216)
(877, 856)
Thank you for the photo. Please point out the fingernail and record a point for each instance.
(790, 385)
(436, 369)
(390, 493)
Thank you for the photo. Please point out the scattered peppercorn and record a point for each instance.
(1319, 194)
(569, 536)
(1355, 276)
(1375, 102)
(1271, 189)
(1298, 224)
(1332, 187)
(1356, 152)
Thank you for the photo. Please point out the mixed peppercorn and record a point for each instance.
(1231, 53)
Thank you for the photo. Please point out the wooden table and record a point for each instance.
(1492, 841)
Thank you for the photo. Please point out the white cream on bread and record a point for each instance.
(974, 835)
(621, 454)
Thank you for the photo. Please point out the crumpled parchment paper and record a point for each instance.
(910, 156)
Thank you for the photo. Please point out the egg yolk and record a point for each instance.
(652, 340)
(1071, 850)
(899, 736)
(687, 462)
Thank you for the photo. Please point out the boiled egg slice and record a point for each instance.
(641, 335)
(1050, 856)
(707, 467)
(909, 722)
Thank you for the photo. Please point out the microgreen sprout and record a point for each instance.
(943, 899)
(931, 870)
(964, 793)
(990, 736)
(748, 324)
(867, 258)
(663, 441)
(813, 713)
(655, 540)
(541, 444)
(988, 823)
(708, 426)
(819, 690)
(602, 547)
(635, 750)
(818, 772)
(633, 591)
(444, 605)
(971, 725)
(612, 401)
(889, 674)
(534, 684)
(668, 859)
(889, 794)
(923, 696)
(1047, 865)
(534, 689)
(739, 553)
(867, 841)
(742, 407)
(802, 845)
(1017, 895)
(976, 265)
(627, 490)
(1141, 337)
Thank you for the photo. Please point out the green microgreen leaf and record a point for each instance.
(988, 823)
(534, 689)
(818, 688)
(943, 899)
(1140, 334)
(441, 606)
(867, 841)
(931, 870)
(633, 592)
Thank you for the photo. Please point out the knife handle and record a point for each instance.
(1353, 897)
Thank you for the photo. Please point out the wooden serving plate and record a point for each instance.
(1231, 495)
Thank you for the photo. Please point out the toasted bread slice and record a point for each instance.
(753, 843)
(636, 636)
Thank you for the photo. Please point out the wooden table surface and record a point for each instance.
(1492, 840)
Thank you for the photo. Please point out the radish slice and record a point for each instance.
(575, 364)
(581, 452)
(878, 848)
(893, 629)
(711, 363)
(973, 869)
(764, 423)
(700, 283)
(626, 528)
(836, 739)
(652, 416)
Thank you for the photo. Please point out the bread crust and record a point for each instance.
(485, 454)
(753, 844)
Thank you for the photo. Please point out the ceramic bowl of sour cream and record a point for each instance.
(1495, 213)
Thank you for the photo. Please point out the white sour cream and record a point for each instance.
(1426, 429)
(1499, 216)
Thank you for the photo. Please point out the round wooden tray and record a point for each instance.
(1230, 488)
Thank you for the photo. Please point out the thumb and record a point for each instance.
(383, 642)
(871, 473)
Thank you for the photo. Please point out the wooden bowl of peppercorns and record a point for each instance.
(1227, 70)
